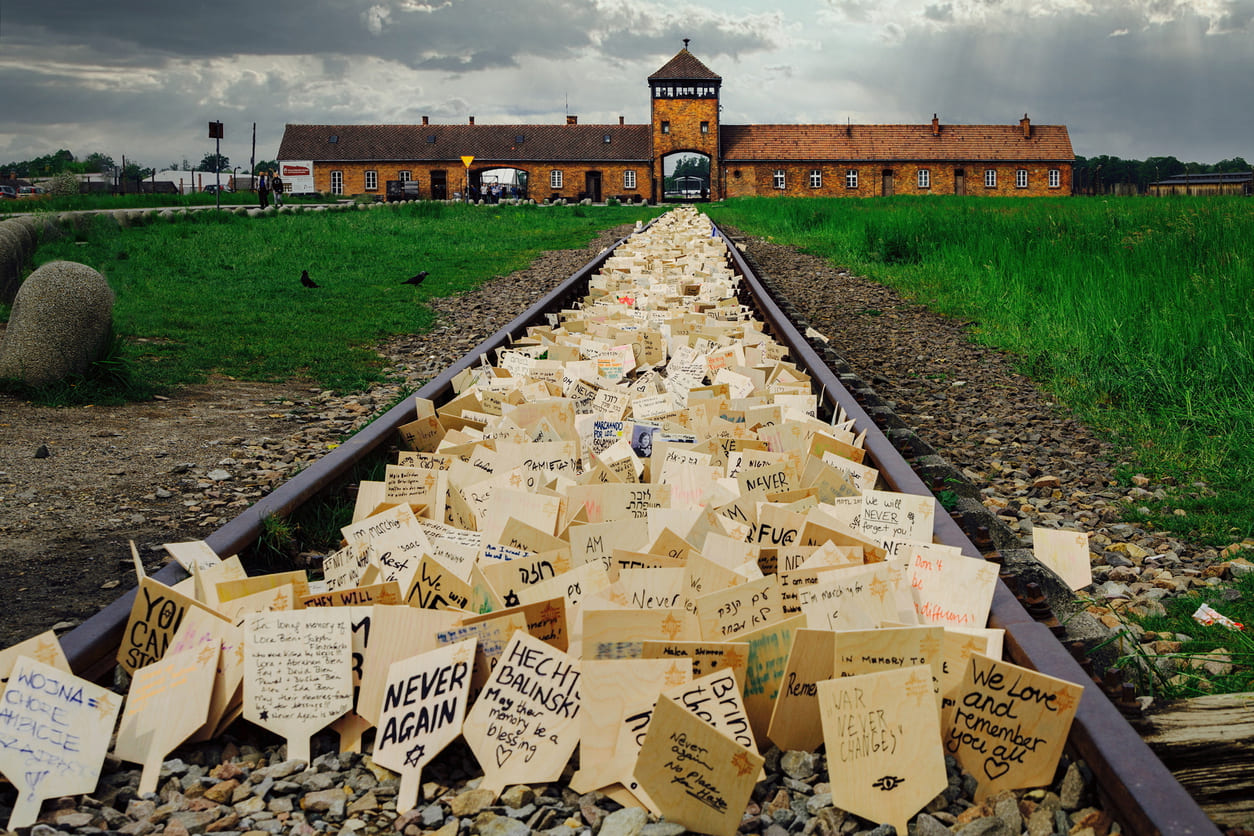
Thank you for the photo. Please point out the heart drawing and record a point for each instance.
(502, 754)
(994, 768)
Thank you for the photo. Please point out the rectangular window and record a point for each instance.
(816, 178)
(404, 176)
(372, 181)
(925, 178)
(705, 127)
(666, 127)
(780, 181)
(337, 182)
(851, 178)
(629, 179)
(990, 178)
(555, 179)
(1055, 178)
(1021, 178)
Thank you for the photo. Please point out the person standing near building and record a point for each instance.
(276, 186)
(263, 189)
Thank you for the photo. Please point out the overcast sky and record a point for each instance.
(142, 78)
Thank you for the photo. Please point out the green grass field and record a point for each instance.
(216, 292)
(1135, 312)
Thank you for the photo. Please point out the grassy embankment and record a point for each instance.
(1138, 314)
(215, 292)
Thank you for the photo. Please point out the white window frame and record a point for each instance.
(851, 178)
(404, 175)
(1055, 178)
(780, 179)
(990, 178)
(816, 178)
(555, 178)
(924, 178)
(666, 126)
(629, 178)
(337, 182)
(372, 180)
(1021, 178)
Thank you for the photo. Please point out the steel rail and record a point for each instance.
(1138, 790)
(1135, 786)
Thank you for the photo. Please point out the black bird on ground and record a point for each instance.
(418, 279)
(306, 281)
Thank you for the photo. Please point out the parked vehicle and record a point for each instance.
(30, 191)
(8, 191)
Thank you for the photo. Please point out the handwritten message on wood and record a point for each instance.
(696, 775)
(297, 673)
(880, 731)
(1008, 724)
(423, 708)
(55, 730)
(523, 728)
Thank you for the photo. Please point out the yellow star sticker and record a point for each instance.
(207, 653)
(561, 564)
(429, 481)
(550, 612)
(279, 602)
(104, 706)
(1064, 700)
(515, 479)
(732, 658)
(741, 764)
(929, 646)
(878, 588)
(918, 687)
(971, 646)
(671, 627)
(676, 675)
(46, 652)
(239, 654)
(987, 573)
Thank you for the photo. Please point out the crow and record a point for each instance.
(306, 281)
(418, 279)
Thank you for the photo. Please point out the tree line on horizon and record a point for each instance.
(1097, 173)
(62, 161)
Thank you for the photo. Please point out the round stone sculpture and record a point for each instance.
(60, 322)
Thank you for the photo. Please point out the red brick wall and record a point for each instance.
(747, 179)
(573, 177)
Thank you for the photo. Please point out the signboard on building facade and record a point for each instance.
(297, 176)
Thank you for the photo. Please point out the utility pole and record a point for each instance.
(252, 161)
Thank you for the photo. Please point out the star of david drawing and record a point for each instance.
(104, 705)
(1064, 700)
(732, 658)
(671, 627)
(414, 756)
(971, 646)
(206, 653)
(929, 646)
(742, 765)
(46, 652)
(918, 687)
(879, 589)
(676, 675)
(550, 612)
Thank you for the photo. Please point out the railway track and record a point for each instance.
(1134, 786)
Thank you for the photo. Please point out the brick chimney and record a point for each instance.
(472, 120)
(426, 120)
(1026, 124)
(622, 120)
(572, 120)
(935, 125)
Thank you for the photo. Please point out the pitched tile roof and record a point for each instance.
(1003, 143)
(498, 143)
(685, 67)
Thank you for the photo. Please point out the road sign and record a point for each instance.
(467, 160)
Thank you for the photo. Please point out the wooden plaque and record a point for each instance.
(56, 729)
(881, 732)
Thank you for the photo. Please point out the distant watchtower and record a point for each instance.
(685, 107)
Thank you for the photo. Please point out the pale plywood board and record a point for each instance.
(298, 673)
(277, 599)
(386, 594)
(881, 732)
(855, 597)
(764, 675)
(436, 587)
(1065, 552)
(423, 707)
(610, 689)
(795, 723)
(729, 613)
(598, 541)
(155, 616)
(650, 588)
(169, 700)
(705, 657)
(524, 726)
(545, 619)
(392, 634)
(56, 735)
(44, 648)
(1008, 724)
(716, 698)
(621, 634)
(193, 553)
(951, 591)
(490, 637)
(889, 517)
(697, 776)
